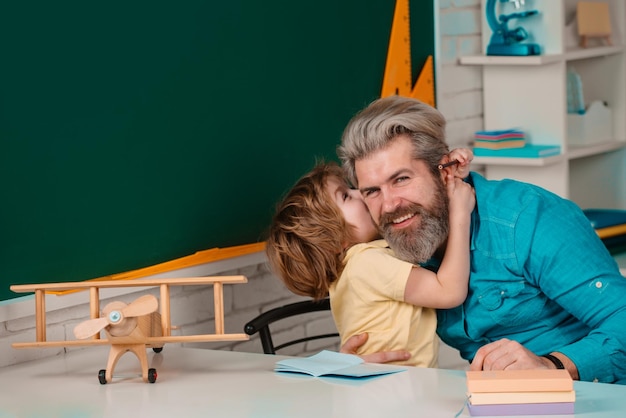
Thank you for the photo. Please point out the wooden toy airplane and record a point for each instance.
(130, 327)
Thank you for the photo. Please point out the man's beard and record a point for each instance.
(418, 242)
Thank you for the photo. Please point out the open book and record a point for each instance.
(331, 363)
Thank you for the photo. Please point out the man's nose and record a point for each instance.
(389, 201)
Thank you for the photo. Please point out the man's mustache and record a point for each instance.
(387, 219)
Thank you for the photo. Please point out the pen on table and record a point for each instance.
(448, 164)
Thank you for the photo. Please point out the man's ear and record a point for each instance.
(444, 160)
(449, 166)
(444, 170)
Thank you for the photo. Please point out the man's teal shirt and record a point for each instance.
(540, 276)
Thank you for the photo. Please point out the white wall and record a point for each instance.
(459, 88)
(459, 99)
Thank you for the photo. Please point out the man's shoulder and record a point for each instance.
(483, 185)
(512, 203)
(509, 195)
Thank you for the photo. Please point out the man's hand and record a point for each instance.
(505, 354)
(353, 343)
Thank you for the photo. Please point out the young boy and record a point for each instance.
(322, 241)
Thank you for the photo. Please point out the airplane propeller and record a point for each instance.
(116, 314)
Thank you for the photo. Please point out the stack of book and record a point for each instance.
(510, 143)
(511, 138)
(520, 392)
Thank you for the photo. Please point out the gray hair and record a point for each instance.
(374, 127)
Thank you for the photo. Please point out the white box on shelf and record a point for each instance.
(592, 127)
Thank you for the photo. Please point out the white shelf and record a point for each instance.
(584, 53)
(581, 151)
(573, 153)
(509, 60)
(530, 92)
(570, 55)
(527, 162)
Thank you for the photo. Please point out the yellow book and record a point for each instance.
(516, 143)
(507, 398)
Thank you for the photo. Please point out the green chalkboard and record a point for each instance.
(138, 132)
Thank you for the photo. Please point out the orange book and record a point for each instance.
(519, 381)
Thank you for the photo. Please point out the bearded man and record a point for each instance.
(544, 292)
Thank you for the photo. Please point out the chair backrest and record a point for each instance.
(261, 323)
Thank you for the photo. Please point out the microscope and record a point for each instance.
(505, 41)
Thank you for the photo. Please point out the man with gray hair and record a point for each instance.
(544, 292)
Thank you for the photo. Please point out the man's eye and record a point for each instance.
(346, 196)
(401, 179)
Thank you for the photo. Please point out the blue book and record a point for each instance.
(604, 218)
(527, 151)
(331, 363)
(610, 224)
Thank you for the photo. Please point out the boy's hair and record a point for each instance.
(306, 240)
(374, 127)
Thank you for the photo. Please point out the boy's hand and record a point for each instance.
(461, 195)
(464, 156)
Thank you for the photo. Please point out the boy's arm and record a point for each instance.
(448, 287)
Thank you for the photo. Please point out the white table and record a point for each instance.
(210, 383)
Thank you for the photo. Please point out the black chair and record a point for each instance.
(261, 323)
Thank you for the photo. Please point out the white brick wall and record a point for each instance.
(459, 99)
(459, 88)
(192, 313)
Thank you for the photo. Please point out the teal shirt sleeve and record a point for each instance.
(569, 264)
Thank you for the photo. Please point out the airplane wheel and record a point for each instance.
(102, 377)
(157, 349)
(152, 375)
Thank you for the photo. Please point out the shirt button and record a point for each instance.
(598, 285)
